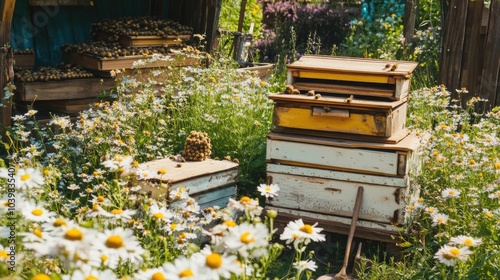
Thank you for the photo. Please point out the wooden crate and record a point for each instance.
(153, 41)
(25, 61)
(352, 76)
(315, 190)
(335, 114)
(63, 89)
(125, 62)
(394, 160)
(210, 182)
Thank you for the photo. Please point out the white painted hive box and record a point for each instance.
(210, 182)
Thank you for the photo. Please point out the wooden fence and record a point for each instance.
(471, 49)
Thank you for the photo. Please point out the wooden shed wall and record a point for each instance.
(471, 56)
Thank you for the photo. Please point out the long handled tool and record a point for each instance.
(342, 275)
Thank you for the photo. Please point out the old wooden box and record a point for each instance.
(210, 182)
(363, 77)
(63, 89)
(386, 119)
(328, 197)
(394, 160)
(126, 62)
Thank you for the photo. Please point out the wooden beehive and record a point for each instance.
(210, 182)
(63, 89)
(388, 79)
(319, 177)
(336, 114)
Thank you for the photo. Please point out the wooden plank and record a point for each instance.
(63, 90)
(394, 139)
(337, 175)
(67, 106)
(408, 144)
(153, 41)
(126, 62)
(352, 65)
(337, 158)
(364, 229)
(215, 197)
(354, 122)
(490, 81)
(6, 60)
(24, 60)
(454, 36)
(337, 101)
(333, 197)
(344, 89)
(473, 51)
(352, 77)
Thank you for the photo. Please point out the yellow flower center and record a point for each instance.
(173, 226)
(158, 276)
(162, 171)
(73, 234)
(158, 216)
(307, 229)
(3, 254)
(472, 161)
(214, 261)
(25, 177)
(91, 277)
(37, 212)
(190, 202)
(454, 252)
(451, 192)
(100, 198)
(59, 222)
(246, 238)
(104, 258)
(38, 232)
(41, 276)
(95, 207)
(230, 223)
(295, 236)
(114, 241)
(468, 242)
(245, 199)
(186, 273)
(489, 214)
(116, 211)
(268, 189)
(430, 210)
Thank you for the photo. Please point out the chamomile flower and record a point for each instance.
(305, 265)
(29, 178)
(466, 241)
(268, 191)
(431, 210)
(298, 232)
(450, 193)
(160, 213)
(450, 254)
(247, 205)
(158, 273)
(4, 255)
(247, 239)
(119, 244)
(439, 219)
(36, 212)
(179, 193)
(216, 266)
(185, 269)
(74, 239)
(121, 215)
(88, 272)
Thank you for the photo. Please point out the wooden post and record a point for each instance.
(490, 83)
(409, 20)
(6, 58)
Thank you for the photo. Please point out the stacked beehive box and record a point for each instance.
(339, 125)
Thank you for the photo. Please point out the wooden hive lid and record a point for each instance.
(353, 65)
(187, 170)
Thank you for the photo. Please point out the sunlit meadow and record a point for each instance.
(80, 212)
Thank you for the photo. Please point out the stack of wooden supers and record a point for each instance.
(340, 124)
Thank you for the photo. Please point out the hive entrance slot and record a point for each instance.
(345, 87)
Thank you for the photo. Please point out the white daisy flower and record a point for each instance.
(216, 266)
(268, 191)
(305, 265)
(121, 215)
(449, 254)
(160, 213)
(86, 272)
(29, 178)
(298, 232)
(466, 241)
(246, 205)
(247, 239)
(185, 269)
(36, 212)
(450, 193)
(119, 244)
(439, 219)
(4, 255)
(179, 193)
(158, 273)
